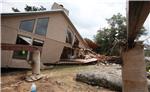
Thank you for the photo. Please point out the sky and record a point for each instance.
(88, 16)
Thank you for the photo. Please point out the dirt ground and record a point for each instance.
(57, 79)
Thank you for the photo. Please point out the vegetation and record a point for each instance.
(15, 9)
(30, 8)
(147, 53)
(111, 38)
(33, 8)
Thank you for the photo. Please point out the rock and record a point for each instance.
(97, 87)
(114, 64)
(60, 83)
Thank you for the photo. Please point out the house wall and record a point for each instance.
(73, 30)
(56, 38)
(54, 41)
(8, 35)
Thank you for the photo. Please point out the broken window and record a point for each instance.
(69, 37)
(27, 25)
(67, 53)
(22, 54)
(41, 27)
(76, 43)
(38, 42)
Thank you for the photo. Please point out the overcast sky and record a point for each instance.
(87, 15)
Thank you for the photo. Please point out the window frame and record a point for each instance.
(27, 30)
(67, 36)
(35, 32)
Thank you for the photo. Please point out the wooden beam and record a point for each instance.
(17, 47)
(138, 12)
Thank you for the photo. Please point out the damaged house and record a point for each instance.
(52, 30)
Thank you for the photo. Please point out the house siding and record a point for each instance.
(54, 41)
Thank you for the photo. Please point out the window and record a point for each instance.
(41, 27)
(22, 54)
(69, 37)
(76, 43)
(67, 53)
(27, 25)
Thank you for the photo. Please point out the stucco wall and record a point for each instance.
(8, 35)
(54, 41)
(51, 48)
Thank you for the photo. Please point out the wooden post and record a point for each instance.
(36, 62)
(134, 70)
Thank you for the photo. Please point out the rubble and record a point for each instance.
(33, 77)
(87, 53)
(109, 59)
(88, 56)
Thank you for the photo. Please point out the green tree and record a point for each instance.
(30, 8)
(111, 38)
(15, 9)
(33, 8)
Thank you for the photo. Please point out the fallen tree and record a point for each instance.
(105, 77)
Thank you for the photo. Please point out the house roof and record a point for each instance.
(30, 13)
(45, 12)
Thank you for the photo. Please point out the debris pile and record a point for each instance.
(33, 77)
(89, 55)
(86, 54)
(109, 59)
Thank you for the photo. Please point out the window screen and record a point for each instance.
(41, 27)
